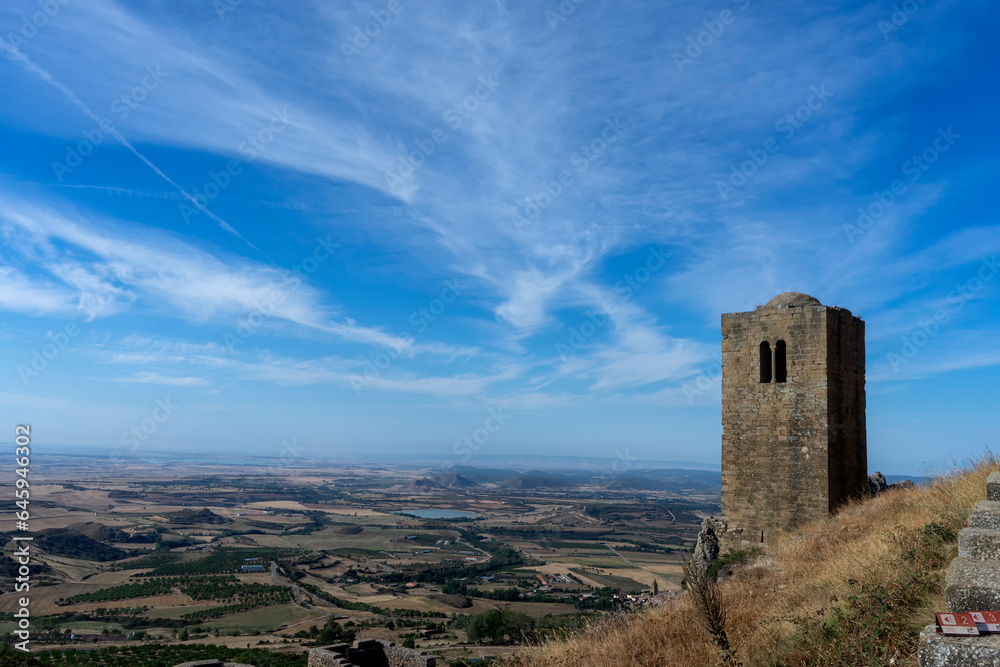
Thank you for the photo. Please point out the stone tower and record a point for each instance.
(793, 414)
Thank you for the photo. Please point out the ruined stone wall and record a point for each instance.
(783, 464)
(404, 657)
(369, 653)
(329, 656)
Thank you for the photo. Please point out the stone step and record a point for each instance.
(979, 544)
(993, 487)
(941, 651)
(972, 585)
(986, 515)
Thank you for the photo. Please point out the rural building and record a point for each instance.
(793, 414)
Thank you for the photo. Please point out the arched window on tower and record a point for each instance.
(780, 362)
(765, 362)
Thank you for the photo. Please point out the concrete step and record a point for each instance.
(986, 515)
(993, 487)
(940, 651)
(972, 585)
(979, 544)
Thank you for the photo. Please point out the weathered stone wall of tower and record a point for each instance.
(848, 438)
(793, 450)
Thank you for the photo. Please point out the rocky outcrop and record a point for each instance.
(706, 549)
(878, 485)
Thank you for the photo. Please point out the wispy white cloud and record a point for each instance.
(147, 377)
(556, 94)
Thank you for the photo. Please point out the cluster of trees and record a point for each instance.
(150, 655)
(139, 589)
(211, 587)
(278, 595)
(333, 633)
(216, 561)
(228, 588)
(497, 627)
(501, 557)
(506, 594)
(317, 521)
(502, 627)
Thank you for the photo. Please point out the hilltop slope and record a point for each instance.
(854, 589)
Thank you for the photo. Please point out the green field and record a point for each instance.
(266, 618)
(372, 538)
(619, 583)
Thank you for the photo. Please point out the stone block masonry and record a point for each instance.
(972, 584)
(794, 443)
(212, 663)
(369, 653)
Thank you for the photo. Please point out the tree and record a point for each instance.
(409, 642)
(332, 633)
(498, 627)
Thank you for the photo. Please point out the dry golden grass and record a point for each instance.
(801, 577)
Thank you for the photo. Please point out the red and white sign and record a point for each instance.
(986, 621)
(957, 624)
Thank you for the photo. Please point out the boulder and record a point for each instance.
(876, 484)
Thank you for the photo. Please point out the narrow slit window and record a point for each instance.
(780, 362)
(765, 362)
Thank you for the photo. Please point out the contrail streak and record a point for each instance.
(14, 54)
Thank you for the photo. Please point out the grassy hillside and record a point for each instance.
(69, 543)
(852, 590)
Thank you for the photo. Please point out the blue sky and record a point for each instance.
(359, 227)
